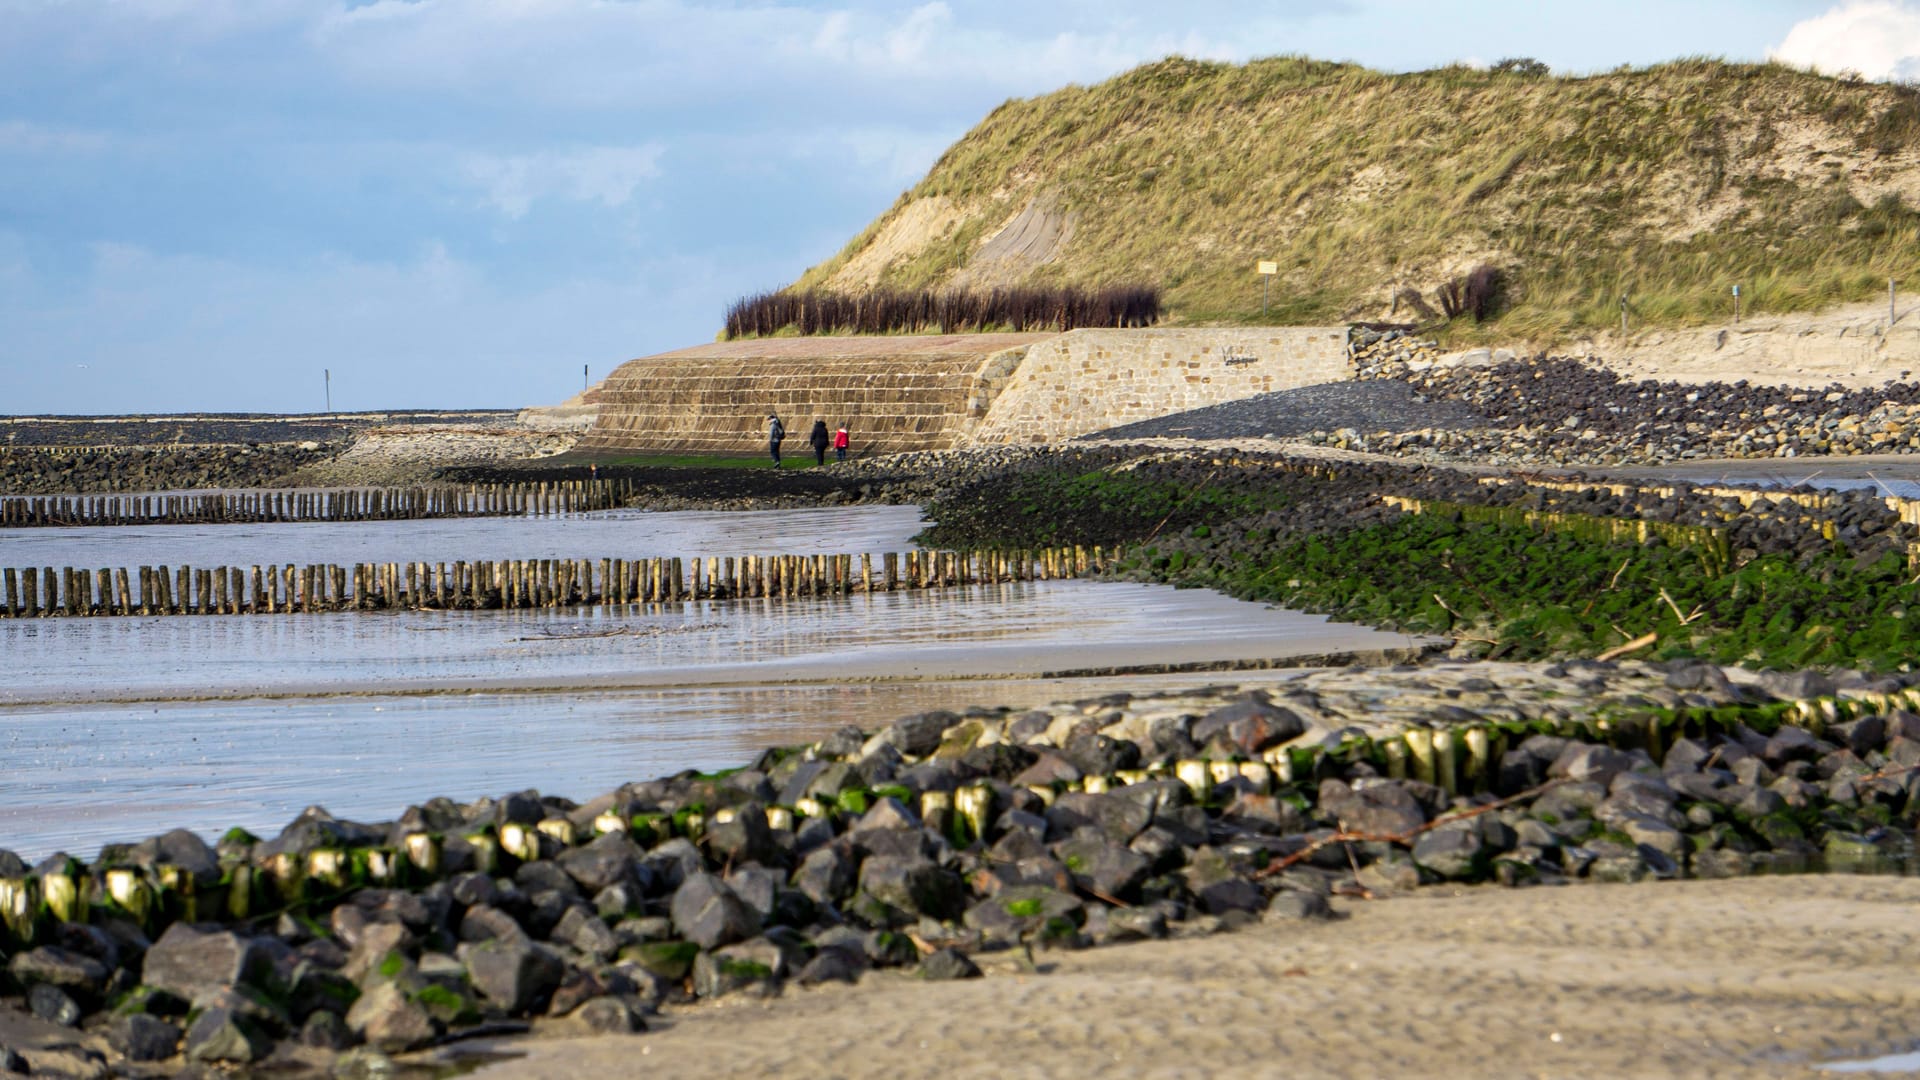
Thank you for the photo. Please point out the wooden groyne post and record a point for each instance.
(36, 592)
(342, 504)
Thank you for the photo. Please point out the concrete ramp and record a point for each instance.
(893, 393)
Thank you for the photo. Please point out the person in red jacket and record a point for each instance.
(840, 442)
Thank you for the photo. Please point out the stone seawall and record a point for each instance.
(940, 392)
(1090, 380)
(893, 393)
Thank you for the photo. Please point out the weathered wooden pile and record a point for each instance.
(34, 592)
(944, 836)
(345, 504)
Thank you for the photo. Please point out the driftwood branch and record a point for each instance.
(1635, 645)
(1684, 619)
(1404, 839)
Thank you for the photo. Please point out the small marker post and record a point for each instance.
(1736, 305)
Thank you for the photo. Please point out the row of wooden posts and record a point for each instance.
(343, 504)
(33, 592)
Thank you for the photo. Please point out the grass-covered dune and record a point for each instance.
(1666, 186)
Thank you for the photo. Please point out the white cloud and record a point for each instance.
(607, 175)
(907, 43)
(1879, 39)
(20, 137)
(596, 53)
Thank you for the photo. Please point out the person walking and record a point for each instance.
(776, 431)
(840, 444)
(818, 440)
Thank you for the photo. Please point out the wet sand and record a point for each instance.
(1029, 629)
(1759, 977)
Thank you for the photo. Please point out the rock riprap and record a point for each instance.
(945, 837)
(1545, 409)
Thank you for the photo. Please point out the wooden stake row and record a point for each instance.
(346, 504)
(35, 592)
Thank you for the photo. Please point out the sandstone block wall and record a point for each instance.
(1089, 380)
(893, 393)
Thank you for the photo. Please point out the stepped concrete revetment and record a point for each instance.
(939, 392)
(893, 393)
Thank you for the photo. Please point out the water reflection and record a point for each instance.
(81, 776)
(1014, 628)
(624, 534)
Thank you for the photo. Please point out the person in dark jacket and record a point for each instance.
(776, 431)
(840, 443)
(818, 439)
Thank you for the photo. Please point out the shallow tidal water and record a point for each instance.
(622, 534)
(118, 728)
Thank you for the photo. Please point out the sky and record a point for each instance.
(235, 205)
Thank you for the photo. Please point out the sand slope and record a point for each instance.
(1755, 977)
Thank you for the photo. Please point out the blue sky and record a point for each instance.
(458, 203)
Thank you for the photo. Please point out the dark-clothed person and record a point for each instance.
(818, 439)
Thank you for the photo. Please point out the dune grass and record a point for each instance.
(1664, 186)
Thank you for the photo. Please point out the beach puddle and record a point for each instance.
(1891, 1063)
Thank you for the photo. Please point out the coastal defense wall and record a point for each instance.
(939, 392)
(893, 393)
(1090, 380)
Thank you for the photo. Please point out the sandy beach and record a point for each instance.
(1766, 977)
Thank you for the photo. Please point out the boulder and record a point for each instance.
(1250, 725)
(1298, 904)
(387, 1018)
(50, 1003)
(606, 1016)
(754, 967)
(1454, 852)
(139, 1037)
(586, 933)
(1103, 867)
(81, 977)
(944, 964)
(742, 838)
(1121, 819)
(517, 976)
(606, 861)
(708, 914)
(917, 887)
(1382, 808)
(826, 875)
(221, 1035)
(191, 963)
(917, 735)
